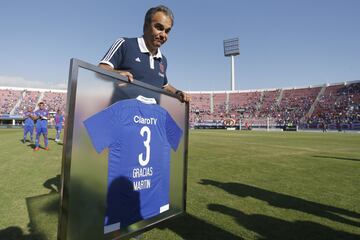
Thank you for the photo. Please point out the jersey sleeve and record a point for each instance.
(114, 55)
(173, 132)
(100, 129)
(165, 81)
(164, 60)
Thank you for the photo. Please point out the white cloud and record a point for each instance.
(60, 86)
(14, 81)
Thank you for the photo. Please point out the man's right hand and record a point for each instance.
(126, 74)
(129, 75)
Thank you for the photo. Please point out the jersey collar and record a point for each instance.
(146, 100)
(143, 48)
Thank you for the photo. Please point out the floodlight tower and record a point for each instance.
(231, 49)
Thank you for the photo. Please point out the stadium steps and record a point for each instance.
(39, 100)
(260, 103)
(278, 100)
(18, 103)
(262, 96)
(227, 102)
(312, 108)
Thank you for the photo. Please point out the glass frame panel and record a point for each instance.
(84, 174)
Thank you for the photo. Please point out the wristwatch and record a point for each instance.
(178, 92)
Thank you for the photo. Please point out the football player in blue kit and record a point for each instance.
(28, 124)
(41, 117)
(59, 119)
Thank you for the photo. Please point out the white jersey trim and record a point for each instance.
(107, 63)
(146, 100)
(111, 227)
(164, 208)
(144, 49)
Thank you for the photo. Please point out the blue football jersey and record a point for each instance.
(139, 135)
(28, 120)
(43, 116)
(59, 119)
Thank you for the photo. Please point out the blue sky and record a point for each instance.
(283, 43)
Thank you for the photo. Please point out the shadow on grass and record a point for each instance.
(58, 143)
(338, 158)
(288, 202)
(43, 214)
(275, 228)
(53, 184)
(15, 233)
(31, 145)
(191, 227)
(44, 210)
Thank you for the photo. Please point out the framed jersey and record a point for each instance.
(125, 156)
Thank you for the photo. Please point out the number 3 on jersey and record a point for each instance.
(143, 162)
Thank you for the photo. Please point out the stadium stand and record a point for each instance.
(334, 105)
(8, 99)
(269, 103)
(14, 101)
(54, 100)
(220, 105)
(200, 108)
(339, 105)
(28, 98)
(295, 104)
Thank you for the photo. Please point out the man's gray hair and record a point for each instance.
(151, 12)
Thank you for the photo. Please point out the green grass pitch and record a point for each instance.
(241, 185)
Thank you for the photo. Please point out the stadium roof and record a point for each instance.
(33, 89)
(205, 91)
(274, 89)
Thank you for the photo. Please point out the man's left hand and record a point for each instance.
(184, 96)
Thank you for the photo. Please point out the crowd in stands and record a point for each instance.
(219, 105)
(200, 112)
(312, 106)
(16, 102)
(8, 100)
(299, 106)
(339, 104)
(295, 104)
(29, 99)
(55, 101)
(269, 103)
(246, 103)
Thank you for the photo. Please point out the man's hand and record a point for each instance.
(126, 74)
(184, 96)
(129, 76)
(34, 117)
